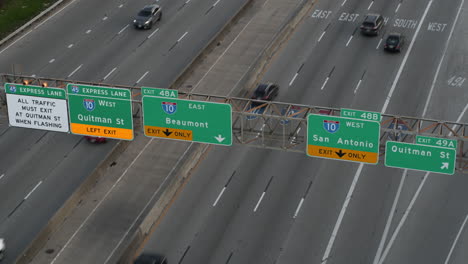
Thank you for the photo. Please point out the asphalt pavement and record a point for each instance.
(264, 206)
(89, 41)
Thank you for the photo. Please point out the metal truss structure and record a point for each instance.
(283, 126)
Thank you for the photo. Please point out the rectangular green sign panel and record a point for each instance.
(31, 90)
(438, 142)
(188, 120)
(343, 138)
(366, 115)
(159, 92)
(420, 157)
(100, 111)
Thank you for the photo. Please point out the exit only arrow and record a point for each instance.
(340, 153)
(167, 132)
(220, 138)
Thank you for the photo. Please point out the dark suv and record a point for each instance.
(147, 16)
(372, 24)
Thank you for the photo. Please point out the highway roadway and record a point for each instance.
(262, 206)
(89, 41)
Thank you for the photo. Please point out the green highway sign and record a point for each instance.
(188, 120)
(420, 157)
(438, 142)
(100, 111)
(366, 115)
(159, 92)
(343, 138)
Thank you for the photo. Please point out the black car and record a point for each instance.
(266, 92)
(146, 258)
(372, 24)
(147, 16)
(394, 42)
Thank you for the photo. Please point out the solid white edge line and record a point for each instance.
(259, 201)
(403, 63)
(148, 203)
(100, 202)
(54, 14)
(349, 40)
(35, 187)
(321, 36)
(182, 36)
(371, 3)
(298, 207)
(16, 41)
(325, 83)
(390, 219)
(403, 219)
(154, 32)
(357, 86)
(219, 58)
(219, 196)
(123, 29)
(293, 79)
(447, 260)
(341, 215)
(143, 76)
(442, 59)
(378, 45)
(73, 72)
(110, 73)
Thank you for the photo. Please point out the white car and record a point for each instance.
(2, 248)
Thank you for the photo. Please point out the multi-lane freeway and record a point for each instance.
(262, 206)
(93, 41)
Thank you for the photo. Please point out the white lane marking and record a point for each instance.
(370, 5)
(462, 114)
(447, 260)
(344, 2)
(154, 32)
(148, 203)
(182, 36)
(69, 46)
(37, 185)
(15, 41)
(357, 86)
(403, 63)
(143, 76)
(298, 207)
(325, 83)
(390, 219)
(88, 31)
(52, 60)
(349, 40)
(54, 14)
(104, 18)
(442, 59)
(110, 73)
(341, 215)
(187, 2)
(216, 3)
(398, 7)
(219, 58)
(74, 71)
(100, 202)
(1, 176)
(120, 6)
(403, 219)
(321, 36)
(259, 201)
(378, 45)
(123, 29)
(219, 196)
(293, 79)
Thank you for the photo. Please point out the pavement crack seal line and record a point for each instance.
(358, 172)
(377, 258)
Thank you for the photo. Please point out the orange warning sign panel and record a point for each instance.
(342, 154)
(101, 131)
(164, 132)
